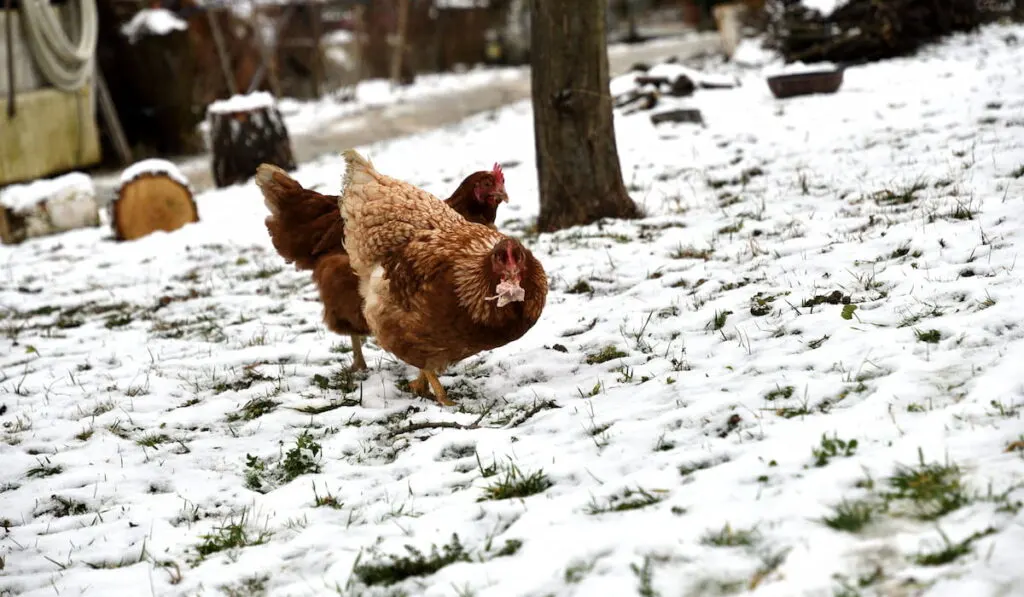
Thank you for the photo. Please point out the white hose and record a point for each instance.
(67, 66)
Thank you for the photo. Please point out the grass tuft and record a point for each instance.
(850, 516)
(516, 485)
(629, 500)
(608, 353)
(729, 537)
(392, 569)
(233, 534)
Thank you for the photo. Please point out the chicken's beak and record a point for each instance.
(498, 197)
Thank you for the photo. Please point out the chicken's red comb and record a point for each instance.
(499, 176)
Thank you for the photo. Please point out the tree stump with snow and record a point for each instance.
(153, 195)
(246, 131)
(47, 206)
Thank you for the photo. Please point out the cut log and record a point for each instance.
(153, 195)
(682, 115)
(246, 131)
(47, 206)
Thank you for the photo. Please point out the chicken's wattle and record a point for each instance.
(508, 292)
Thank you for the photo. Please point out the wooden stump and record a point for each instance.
(246, 131)
(47, 206)
(154, 195)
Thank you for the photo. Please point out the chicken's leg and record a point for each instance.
(428, 379)
(418, 386)
(358, 362)
(435, 384)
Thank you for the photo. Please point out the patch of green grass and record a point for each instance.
(343, 380)
(718, 321)
(899, 195)
(153, 440)
(581, 287)
(250, 586)
(327, 500)
(933, 489)
(690, 252)
(234, 533)
(249, 377)
(850, 516)
(604, 355)
(950, 551)
(761, 304)
(832, 447)
(395, 568)
(930, 336)
(628, 500)
(253, 409)
(62, 506)
(784, 393)
(645, 577)
(303, 458)
(516, 485)
(729, 537)
(731, 228)
(44, 470)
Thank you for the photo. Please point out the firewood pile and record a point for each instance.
(644, 87)
(865, 30)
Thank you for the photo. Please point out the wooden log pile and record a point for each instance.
(866, 30)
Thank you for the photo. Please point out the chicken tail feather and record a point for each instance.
(358, 170)
(303, 224)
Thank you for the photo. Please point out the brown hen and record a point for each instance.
(437, 289)
(306, 229)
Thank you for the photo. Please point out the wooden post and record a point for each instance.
(399, 50)
(266, 67)
(9, 36)
(109, 112)
(222, 52)
(316, 58)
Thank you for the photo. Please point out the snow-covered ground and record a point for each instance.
(681, 422)
(304, 116)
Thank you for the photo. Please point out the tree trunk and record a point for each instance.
(577, 161)
(246, 131)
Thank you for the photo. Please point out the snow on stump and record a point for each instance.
(246, 131)
(153, 195)
(47, 206)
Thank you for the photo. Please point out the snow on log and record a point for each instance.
(153, 195)
(47, 206)
(246, 131)
(152, 21)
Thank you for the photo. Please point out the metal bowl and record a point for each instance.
(819, 81)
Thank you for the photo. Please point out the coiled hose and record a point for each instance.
(67, 65)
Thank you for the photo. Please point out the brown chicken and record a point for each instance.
(437, 289)
(306, 228)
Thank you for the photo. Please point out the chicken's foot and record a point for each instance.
(358, 362)
(427, 381)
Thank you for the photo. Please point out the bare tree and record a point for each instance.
(577, 160)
